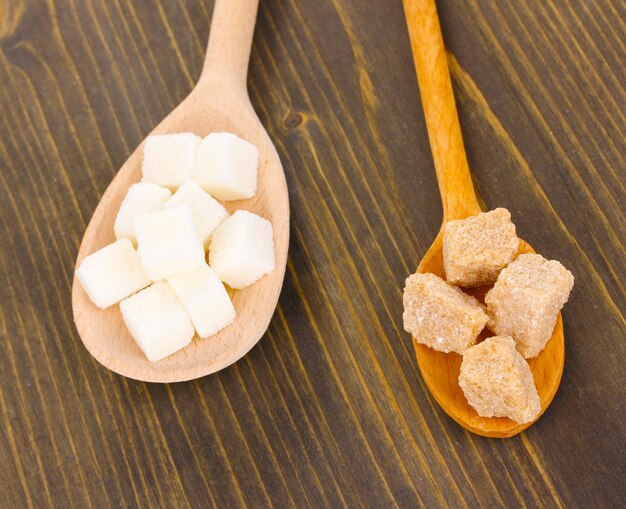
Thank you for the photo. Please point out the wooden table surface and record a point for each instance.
(329, 409)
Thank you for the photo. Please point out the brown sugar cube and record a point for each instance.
(477, 248)
(440, 315)
(497, 381)
(526, 300)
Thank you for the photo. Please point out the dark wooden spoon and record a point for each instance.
(441, 370)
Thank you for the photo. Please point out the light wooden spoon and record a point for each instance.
(441, 370)
(219, 102)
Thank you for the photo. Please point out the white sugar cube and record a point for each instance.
(158, 321)
(169, 158)
(207, 212)
(205, 299)
(168, 243)
(141, 199)
(226, 166)
(242, 249)
(112, 273)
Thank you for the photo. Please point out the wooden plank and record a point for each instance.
(328, 410)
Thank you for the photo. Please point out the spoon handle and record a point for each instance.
(442, 122)
(230, 42)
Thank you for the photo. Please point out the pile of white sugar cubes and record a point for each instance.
(157, 269)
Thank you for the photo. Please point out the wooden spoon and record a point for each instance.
(441, 370)
(219, 102)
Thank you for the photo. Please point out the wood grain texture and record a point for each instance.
(328, 410)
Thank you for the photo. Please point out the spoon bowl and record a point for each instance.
(441, 370)
(219, 102)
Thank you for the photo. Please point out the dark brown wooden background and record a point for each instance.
(329, 409)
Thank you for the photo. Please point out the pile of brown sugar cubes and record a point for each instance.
(521, 310)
